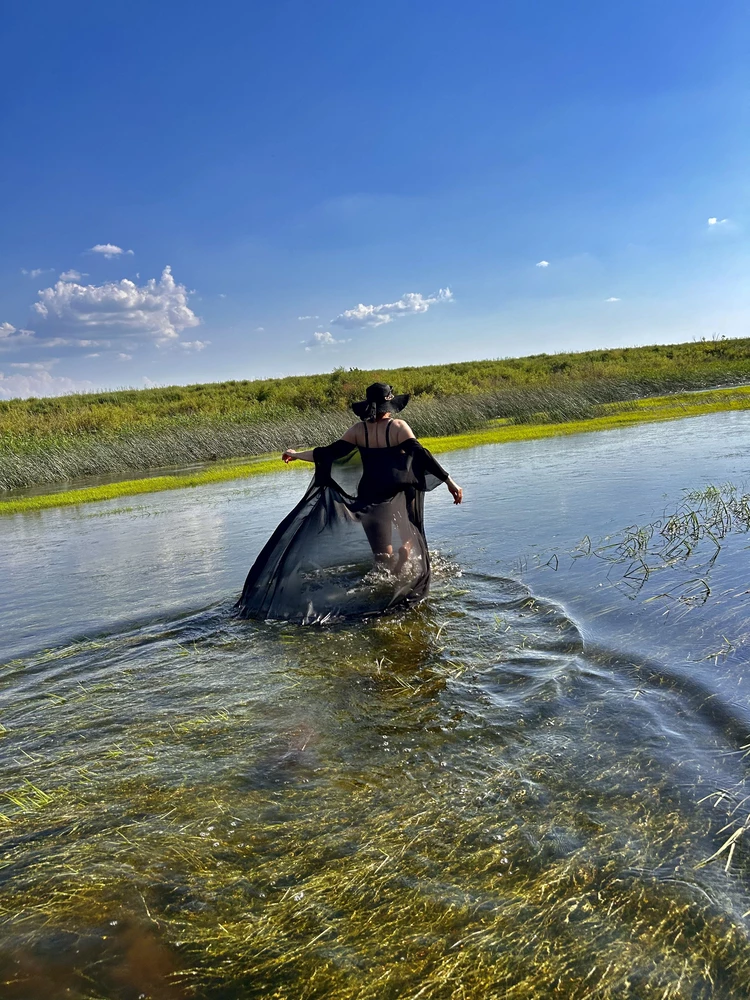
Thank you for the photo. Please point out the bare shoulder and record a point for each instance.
(353, 434)
(404, 430)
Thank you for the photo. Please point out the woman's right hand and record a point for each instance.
(290, 455)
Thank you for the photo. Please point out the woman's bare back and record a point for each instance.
(377, 434)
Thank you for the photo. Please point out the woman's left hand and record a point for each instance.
(289, 456)
(456, 492)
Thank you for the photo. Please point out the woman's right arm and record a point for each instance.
(455, 490)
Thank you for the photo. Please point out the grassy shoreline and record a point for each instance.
(65, 440)
(615, 415)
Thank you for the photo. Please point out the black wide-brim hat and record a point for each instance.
(380, 399)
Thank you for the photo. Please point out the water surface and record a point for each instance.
(508, 791)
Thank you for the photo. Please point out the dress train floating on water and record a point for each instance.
(338, 555)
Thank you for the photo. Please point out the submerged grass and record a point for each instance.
(407, 847)
(609, 415)
(402, 905)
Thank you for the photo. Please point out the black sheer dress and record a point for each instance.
(325, 561)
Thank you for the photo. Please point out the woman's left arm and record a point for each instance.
(346, 443)
(290, 455)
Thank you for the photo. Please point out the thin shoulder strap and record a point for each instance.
(388, 433)
(367, 439)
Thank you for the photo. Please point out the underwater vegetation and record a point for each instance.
(461, 802)
(311, 868)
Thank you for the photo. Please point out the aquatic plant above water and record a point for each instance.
(689, 537)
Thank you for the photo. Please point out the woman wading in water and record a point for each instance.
(318, 564)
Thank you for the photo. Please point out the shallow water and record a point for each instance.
(508, 791)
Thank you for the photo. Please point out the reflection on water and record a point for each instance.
(508, 791)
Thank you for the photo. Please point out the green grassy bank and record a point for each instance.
(612, 415)
(48, 441)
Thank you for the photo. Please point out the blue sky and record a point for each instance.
(425, 182)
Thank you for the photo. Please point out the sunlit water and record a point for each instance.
(510, 791)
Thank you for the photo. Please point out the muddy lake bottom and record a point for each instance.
(516, 789)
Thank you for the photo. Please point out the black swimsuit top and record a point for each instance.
(385, 470)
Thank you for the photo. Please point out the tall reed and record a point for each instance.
(179, 441)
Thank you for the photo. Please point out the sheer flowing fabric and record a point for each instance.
(329, 558)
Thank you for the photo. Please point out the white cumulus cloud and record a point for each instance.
(308, 317)
(408, 304)
(323, 339)
(157, 310)
(40, 383)
(72, 275)
(613, 298)
(543, 263)
(713, 221)
(109, 250)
